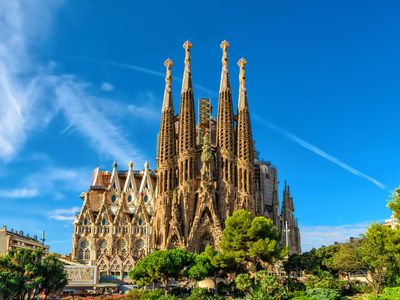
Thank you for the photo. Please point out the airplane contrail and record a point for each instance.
(318, 151)
(156, 73)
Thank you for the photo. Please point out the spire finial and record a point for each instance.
(242, 75)
(130, 165)
(146, 165)
(224, 46)
(168, 63)
(187, 45)
(115, 165)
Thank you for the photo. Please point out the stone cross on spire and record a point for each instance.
(187, 45)
(224, 46)
(242, 75)
(187, 76)
(168, 63)
(242, 80)
(167, 102)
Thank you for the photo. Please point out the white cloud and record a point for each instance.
(55, 180)
(106, 86)
(63, 214)
(324, 235)
(31, 94)
(19, 193)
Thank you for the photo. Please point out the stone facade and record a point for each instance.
(205, 172)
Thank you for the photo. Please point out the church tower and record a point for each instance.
(245, 151)
(225, 141)
(186, 148)
(166, 163)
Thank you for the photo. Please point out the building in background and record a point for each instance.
(205, 172)
(11, 239)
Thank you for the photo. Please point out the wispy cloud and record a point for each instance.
(19, 193)
(106, 86)
(63, 214)
(318, 151)
(317, 236)
(32, 93)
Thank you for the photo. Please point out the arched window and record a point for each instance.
(103, 222)
(140, 221)
(101, 247)
(130, 198)
(145, 198)
(84, 250)
(113, 198)
(85, 221)
(122, 247)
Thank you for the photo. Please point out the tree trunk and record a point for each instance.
(215, 282)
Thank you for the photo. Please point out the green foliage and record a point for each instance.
(324, 280)
(139, 294)
(394, 203)
(264, 286)
(162, 265)
(25, 273)
(347, 258)
(249, 242)
(379, 252)
(323, 294)
(202, 294)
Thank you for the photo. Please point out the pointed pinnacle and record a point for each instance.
(224, 46)
(168, 63)
(187, 45)
(242, 75)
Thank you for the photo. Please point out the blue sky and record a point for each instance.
(81, 84)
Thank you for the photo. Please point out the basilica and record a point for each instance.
(207, 168)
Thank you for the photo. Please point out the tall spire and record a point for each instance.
(245, 138)
(187, 130)
(225, 138)
(245, 152)
(166, 144)
(187, 74)
(225, 128)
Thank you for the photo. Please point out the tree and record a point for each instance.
(250, 242)
(347, 258)
(378, 251)
(162, 265)
(25, 273)
(394, 203)
(54, 277)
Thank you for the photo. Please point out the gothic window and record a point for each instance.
(84, 250)
(140, 221)
(146, 198)
(85, 221)
(130, 185)
(101, 247)
(122, 247)
(139, 245)
(130, 198)
(103, 222)
(113, 198)
(114, 186)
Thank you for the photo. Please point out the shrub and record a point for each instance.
(202, 294)
(139, 294)
(323, 294)
(324, 280)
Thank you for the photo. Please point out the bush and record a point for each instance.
(323, 294)
(202, 294)
(324, 280)
(394, 292)
(139, 294)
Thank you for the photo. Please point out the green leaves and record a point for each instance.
(23, 271)
(161, 265)
(247, 239)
